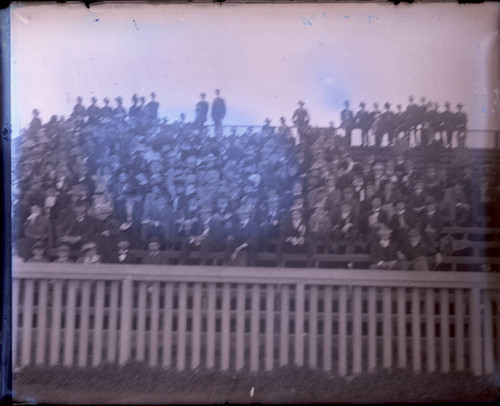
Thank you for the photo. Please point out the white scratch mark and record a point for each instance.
(252, 392)
(180, 19)
(24, 20)
(287, 58)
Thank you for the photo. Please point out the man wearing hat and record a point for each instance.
(412, 120)
(93, 112)
(241, 243)
(415, 250)
(119, 112)
(134, 110)
(385, 253)
(201, 111)
(79, 111)
(151, 109)
(63, 255)
(88, 254)
(362, 121)
(460, 125)
(106, 112)
(402, 220)
(35, 123)
(431, 222)
(446, 119)
(154, 256)
(38, 253)
(218, 111)
(77, 227)
(301, 120)
(122, 253)
(347, 121)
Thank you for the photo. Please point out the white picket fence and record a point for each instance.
(344, 322)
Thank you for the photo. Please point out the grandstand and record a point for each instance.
(110, 186)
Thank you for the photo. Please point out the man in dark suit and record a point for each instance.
(446, 120)
(93, 112)
(362, 121)
(151, 108)
(460, 125)
(347, 121)
(243, 238)
(122, 253)
(218, 110)
(201, 111)
(154, 256)
(412, 117)
(301, 120)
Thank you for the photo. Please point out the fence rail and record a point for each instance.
(341, 321)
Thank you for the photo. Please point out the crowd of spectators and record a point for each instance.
(106, 183)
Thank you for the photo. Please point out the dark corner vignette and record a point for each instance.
(5, 291)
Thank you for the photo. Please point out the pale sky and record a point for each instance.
(264, 58)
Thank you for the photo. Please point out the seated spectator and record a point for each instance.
(37, 227)
(320, 225)
(385, 253)
(63, 255)
(242, 240)
(38, 253)
(77, 227)
(456, 205)
(294, 231)
(345, 228)
(415, 250)
(154, 256)
(122, 253)
(88, 254)
(402, 220)
(431, 222)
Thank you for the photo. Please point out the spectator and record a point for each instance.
(415, 251)
(218, 110)
(201, 111)
(63, 252)
(38, 253)
(385, 253)
(88, 254)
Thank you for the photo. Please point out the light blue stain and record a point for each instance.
(483, 110)
(346, 16)
(324, 14)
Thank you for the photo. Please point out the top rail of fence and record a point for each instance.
(257, 275)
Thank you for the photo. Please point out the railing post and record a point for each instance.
(299, 324)
(126, 320)
(475, 332)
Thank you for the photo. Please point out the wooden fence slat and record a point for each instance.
(430, 327)
(284, 324)
(240, 326)
(27, 327)
(372, 329)
(357, 347)
(211, 287)
(225, 327)
(327, 329)
(167, 324)
(154, 324)
(387, 327)
(459, 330)
(444, 330)
(55, 333)
(342, 330)
(41, 334)
(83, 343)
(269, 349)
(416, 331)
(98, 324)
(16, 310)
(113, 321)
(182, 327)
(299, 324)
(196, 341)
(401, 327)
(69, 325)
(254, 328)
(126, 321)
(475, 332)
(140, 317)
(313, 327)
(488, 357)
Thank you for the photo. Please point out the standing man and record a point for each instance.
(412, 117)
(362, 121)
(460, 125)
(152, 108)
(201, 111)
(301, 119)
(446, 119)
(218, 110)
(347, 122)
